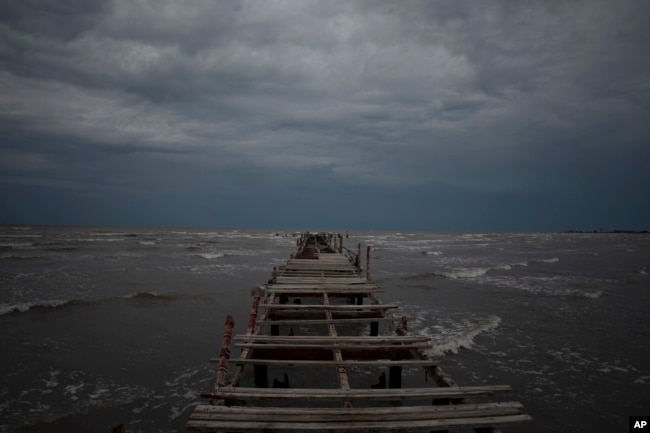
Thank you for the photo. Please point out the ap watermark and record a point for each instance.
(640, 423)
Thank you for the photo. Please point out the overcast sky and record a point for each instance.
(436, 115)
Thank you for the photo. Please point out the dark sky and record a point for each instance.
(434, 115)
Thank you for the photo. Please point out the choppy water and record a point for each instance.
(101, 326)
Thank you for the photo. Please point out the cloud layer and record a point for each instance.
(438, 115)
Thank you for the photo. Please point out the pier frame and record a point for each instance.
(320, 286)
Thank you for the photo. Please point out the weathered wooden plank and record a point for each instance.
(316, 280)
(326, 321)
(354, 347)
(343, 363)
(308, 316)
(363, 286)
(395, 339)
(398, 411)
(322, 267)
(331, 307)
(352, 414)
(317, 292)
(365, 426)
(246, 393)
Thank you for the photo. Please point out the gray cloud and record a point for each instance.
(500, 105)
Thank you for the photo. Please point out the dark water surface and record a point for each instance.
(101, 326)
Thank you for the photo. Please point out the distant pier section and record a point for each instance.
(316, 332)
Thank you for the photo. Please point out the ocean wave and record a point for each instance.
(431, 253)
(14, 257)
(22, 307)
(16, 244)
(462, 338)
(552, 260)
(643, 380)
(69, 394)
(148, 243)
(210, 256)
(96, 239)
(151, 295)
(480, 271)
(463, 273)
(62, 248)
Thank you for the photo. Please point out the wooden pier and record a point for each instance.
(314, 328)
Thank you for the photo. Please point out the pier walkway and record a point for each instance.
(315, 329)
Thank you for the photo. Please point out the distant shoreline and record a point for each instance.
(607, 231)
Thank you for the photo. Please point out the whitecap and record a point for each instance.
(71, 390)
(21, 307)
(16, 244)
(463, 338)
(642, 379)
(465, 272)
(552, 260)
(211, 255)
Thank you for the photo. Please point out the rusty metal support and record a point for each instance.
(224, 356)
(253, 317)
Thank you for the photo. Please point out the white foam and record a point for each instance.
(463, 338)
(16, 244)
(141, 295)
(432, 253)
(552, 260)
(72, 390)
(21, 307)
(52, 382)
(147, 243)
(107, 239)
(466, 272)
(211, 255)
(642, 379)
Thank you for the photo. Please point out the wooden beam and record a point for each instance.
(326, 321)
(343, 363)
(374, 426)
(301, 414)
(245, 393)
(331, 307)
(392, 339)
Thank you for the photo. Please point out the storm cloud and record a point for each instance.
(440, 115)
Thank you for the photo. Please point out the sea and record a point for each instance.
(101, 326)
